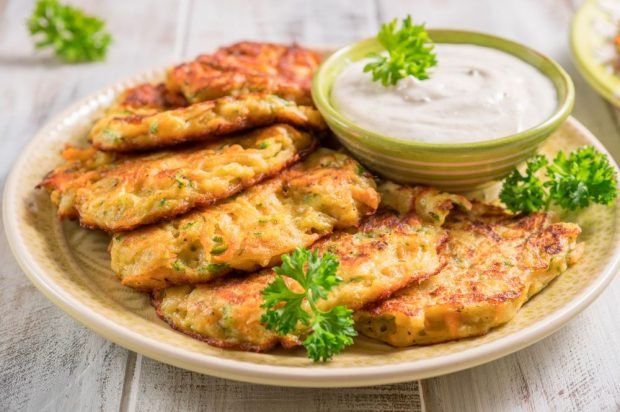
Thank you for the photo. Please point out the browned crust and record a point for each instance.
(291, 61)
(218, 343)
(73, 157)
(204, 202)
(381, 220)
(248, 66)
(187, 280)
(240, 124)
(396, 224)
(147, 96)
(540, 242)
(208, 82)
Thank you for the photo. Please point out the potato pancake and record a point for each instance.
(495, 262)
(146, 98)
(385, 254)
(118, 193)
(325, 192)
(247, 67)
(199, 122)
(432, 205)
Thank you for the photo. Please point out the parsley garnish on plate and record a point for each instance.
(288, 311)
(409, 53)
(74, 35)
(573, 182)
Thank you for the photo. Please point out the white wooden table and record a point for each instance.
(50, 362)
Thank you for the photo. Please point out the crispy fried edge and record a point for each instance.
(300, 155)
(533, 225)
(286, 78)
(289, 341)
(187, 280)
(238, 126)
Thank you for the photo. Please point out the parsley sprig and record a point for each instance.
(74, 35)
(329, 331)
(573, 182)
(409, 53)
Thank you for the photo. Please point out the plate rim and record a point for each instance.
(293, 376)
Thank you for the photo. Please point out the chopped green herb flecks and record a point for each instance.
(360, 170)
(153, 127)
(189, 225)
(219, 249)
(213, 268)
(111, 135)
(182, 181)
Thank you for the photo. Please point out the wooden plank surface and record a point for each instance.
(49, 361)
(162, 388)
(52, 363)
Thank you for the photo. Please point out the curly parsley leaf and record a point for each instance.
(287, 310)
(525, 192)
(74, 35)
(573, 182)
(582, 178)
(284, 308)
(409, 53)
(332, 331)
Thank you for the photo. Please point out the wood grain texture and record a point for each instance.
(50, 362)
(316, 23)
(163, 387)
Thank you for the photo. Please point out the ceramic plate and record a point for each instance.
(592, 31)
(70, 266)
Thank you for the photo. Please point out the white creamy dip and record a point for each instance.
(474, 93)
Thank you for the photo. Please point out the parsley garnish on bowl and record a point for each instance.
(409, 53)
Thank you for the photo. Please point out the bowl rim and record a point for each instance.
(563, 109)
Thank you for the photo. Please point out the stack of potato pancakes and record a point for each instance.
(207, 179)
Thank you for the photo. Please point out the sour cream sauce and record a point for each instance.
(474, 94)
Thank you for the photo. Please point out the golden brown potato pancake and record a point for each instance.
(199, 122)
(432, 205)
(81, 167)
(384, 255)
(495, 262)
(327, 191)
(145, 98)
(118, 193)
(247, 67)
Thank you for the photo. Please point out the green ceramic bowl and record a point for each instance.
(455, 167)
